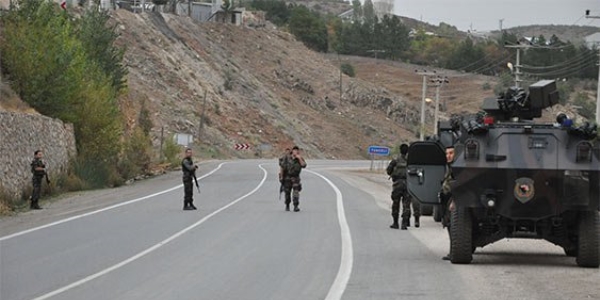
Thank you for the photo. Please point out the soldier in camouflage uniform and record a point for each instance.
(189, 172)
(446, 200)
(397, 171)
(292, 166)
(38, 169)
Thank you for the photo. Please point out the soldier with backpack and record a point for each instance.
(291, 167)
(397, 172)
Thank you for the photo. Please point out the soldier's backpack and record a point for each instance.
(397, 169)
(291, 168)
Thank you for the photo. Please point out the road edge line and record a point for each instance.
(337, 289)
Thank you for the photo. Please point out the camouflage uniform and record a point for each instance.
(446, 197)
(283, 161)
(189, 170)
(291, 182)
(37, 181)
(397, 170)
(445, 201)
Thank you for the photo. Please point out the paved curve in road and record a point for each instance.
(241, 244)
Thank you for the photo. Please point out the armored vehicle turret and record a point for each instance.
(514, 177)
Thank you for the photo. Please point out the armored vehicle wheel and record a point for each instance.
(437, 213)
(588, 254)
(461, 231)
(426, 210)
(571, 252)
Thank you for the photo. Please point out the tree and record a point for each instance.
(276, 11)
(357, 11)
(227, 9)
(467, 56)
(100, 46)
(309, 28)
(369, 13)
(59, 67)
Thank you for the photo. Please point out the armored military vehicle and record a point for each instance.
(515, 178)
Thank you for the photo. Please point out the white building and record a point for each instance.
(593, 40)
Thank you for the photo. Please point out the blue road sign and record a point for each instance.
(379, 150)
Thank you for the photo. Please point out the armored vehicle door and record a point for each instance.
(426, 167)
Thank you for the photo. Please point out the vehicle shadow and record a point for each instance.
(482, 257)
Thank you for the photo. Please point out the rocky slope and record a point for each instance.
(262, 87)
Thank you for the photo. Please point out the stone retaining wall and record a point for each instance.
(20, 135)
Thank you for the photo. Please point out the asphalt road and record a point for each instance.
(136, 242)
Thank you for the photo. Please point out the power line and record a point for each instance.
(575, 59)
(577, 66)
(488, 66)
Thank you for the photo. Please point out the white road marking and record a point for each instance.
(149, 250)
(343, 276)
(103, 209)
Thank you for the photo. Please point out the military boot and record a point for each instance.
(287, 207)
(192, 206)
(417, 223)
(35, 205)
(404, 223)
(296, 208)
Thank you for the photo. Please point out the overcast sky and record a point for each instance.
(485, 14)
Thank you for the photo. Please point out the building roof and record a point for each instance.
(595, 37)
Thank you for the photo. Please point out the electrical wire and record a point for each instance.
(575, 59)
(577, 66)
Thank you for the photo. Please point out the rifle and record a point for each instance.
(281, 190)
(196, 180)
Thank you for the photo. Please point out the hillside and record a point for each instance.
(266, 89)
(263, 88)
(463, 93)
(574, 33)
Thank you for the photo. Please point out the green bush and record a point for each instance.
(171, 152)
(487, 86)
(347, 69)
(565, 89)
(588, 108)
(137, 155)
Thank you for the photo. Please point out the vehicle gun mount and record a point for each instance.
(516, 103)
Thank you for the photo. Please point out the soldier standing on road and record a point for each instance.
(397, 171)
(446, 201)
(189, 172)
(291, 178)
(38, 169)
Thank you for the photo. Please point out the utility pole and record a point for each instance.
(518, 64)
(587, 15)
(202, 116)
(422, 124)
(500, 21)
(438, 82)
(340, 62)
